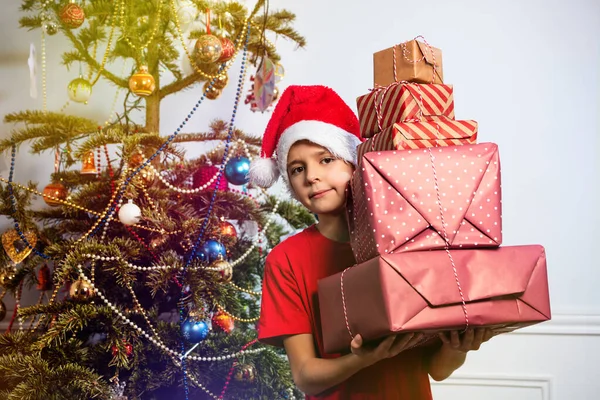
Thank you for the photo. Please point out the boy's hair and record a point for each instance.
(313, 113)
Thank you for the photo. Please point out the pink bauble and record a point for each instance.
(206, 173)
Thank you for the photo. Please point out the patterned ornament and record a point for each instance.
(206, 173)
(228, 230)
(81, 290)
(264, 84)
(236, 170)
(142, 82)
(228, 50)
(72, 15)
(221, 81)
(211, 92)
(136, 160)
(57, 190)
(214, 250)
(245, 373)
(130, 214)
(208, 49)
(15, 246)
(80, 90)
(50, 28)
(44, 279)
(2, 310)
(225, 271)
(223, 322)
(6, 276)
(194, 331)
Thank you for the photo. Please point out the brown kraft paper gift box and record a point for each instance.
(415, 61)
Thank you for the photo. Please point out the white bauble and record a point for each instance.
(187, 14)
(130, 214)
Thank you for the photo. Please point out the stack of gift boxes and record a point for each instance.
(424, 212)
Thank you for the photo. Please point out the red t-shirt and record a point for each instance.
(290, 306)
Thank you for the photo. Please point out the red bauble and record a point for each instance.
(128, 349)
(206, 173)
(228, 230)
(223, 322)
(228, 50)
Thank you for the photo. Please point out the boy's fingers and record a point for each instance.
(454, 339)
(356, 342)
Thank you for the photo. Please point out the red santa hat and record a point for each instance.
(314, 113)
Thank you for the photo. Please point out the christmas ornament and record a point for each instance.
(221, 81)
(44, 279)
(211, 92)
(227, 50)
(206, 173)
(275, 95)
(130, 214)
(6, 276)
(15, 246)
(228, 230)
(214, 250)
(56, 190)
(89, 165)
(128, 349)
(142, 82)
(236, 170)
(80, 90)
(264, 84)
(186, 14)
(194, 331)
(136, 160)
(50, 28)
(279, 72)
(2, 310)
(223, 322)
(201, 256)
(72, 15)
(147, 176)
(208, 49)
(245, 373)
(225, 271)
(81, 290)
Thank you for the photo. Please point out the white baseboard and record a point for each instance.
(543, 383)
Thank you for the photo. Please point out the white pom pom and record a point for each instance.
(263, 172)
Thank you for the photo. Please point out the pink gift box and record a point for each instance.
(504, 289)
(394, 205)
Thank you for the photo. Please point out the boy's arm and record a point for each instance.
(453, 352)
(314, 375)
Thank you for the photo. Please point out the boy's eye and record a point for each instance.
(296, 170)
(327, 160)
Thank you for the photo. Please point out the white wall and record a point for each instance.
(527, 71)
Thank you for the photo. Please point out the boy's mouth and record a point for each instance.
(318, 194)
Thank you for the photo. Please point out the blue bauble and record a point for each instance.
(200, 255)
(236, 170)
(214, 250)
(194, 331)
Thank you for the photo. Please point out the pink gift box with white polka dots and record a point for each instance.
(424, 199)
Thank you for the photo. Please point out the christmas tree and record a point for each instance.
(148, 262)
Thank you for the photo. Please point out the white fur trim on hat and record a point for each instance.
(340, 143)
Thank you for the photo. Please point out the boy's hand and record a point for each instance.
(470, 340)
(389, 347)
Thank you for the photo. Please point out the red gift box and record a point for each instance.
(403, 102)
(402, 201)
(503, 289)
(418, 135)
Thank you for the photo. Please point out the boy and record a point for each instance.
(315, 134)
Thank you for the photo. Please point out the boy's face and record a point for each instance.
(318, 179)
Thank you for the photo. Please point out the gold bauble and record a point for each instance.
(221, 81)
(147, 176)
(57, 190)
(211, 93)
(208, 49)
(142, 82)
(225, 272)
(81, 290)
(7, 276)
(245, 373)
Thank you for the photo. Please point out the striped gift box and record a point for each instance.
(403, 102)
(419, 135)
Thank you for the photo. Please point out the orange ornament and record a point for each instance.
(142, 82)
(223, 322)
(228, 230)
(72, 15)
(57, 190)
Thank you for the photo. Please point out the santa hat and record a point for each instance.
(314, 113)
